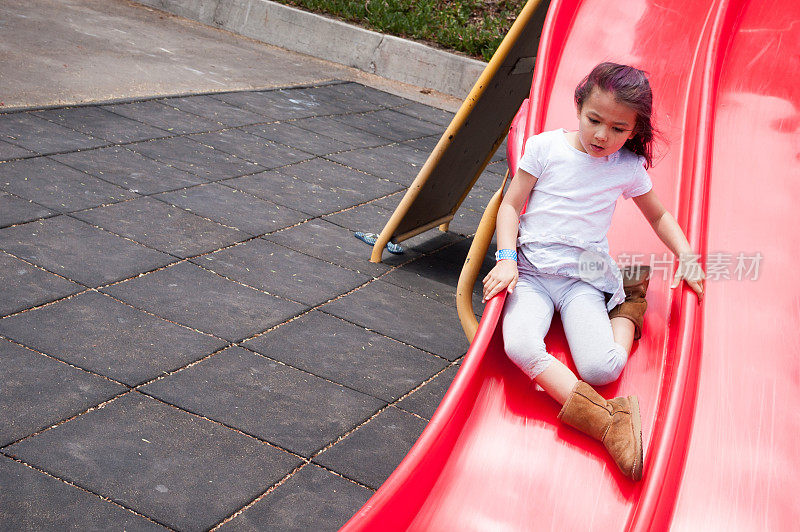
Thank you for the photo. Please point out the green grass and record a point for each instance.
(473, 27)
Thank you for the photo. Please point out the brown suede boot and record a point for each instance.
(634, 281)
(615, 422)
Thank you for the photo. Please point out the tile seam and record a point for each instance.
(85, 490)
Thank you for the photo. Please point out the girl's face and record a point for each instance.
(605, 125)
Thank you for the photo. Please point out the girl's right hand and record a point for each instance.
(503, 276)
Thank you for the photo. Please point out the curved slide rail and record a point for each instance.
(494, 457)
(741, 460)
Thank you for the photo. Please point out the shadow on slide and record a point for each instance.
(720, 451)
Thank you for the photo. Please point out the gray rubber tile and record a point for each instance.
(329, 93)
(97, 333)
(215, 109)
(435, 279)
(370, 453)
(57, 186)
(467, 217)
(255, 102)
(457, 254)
(425, 242)
(372, 218)
(282, 271)
(382, 162)
(335, 244)
(192, 296)
(425, 144)
(281, 104)
(79, 251)
(282, 405)
(309, 198)
(430, 241)
(38, 391)
(427, 113)
(502, 152)
(403, 152)
(497, 167)
(163, 227)
(178, 469)
(353, 356)
(249, 147)
(41, 502)
(25, 286)
(170, 119)
(436, 275)
(312, 499)
(391, 124)
(479, 197)
(101, 124)
(425, 400)
(465, 222)
(288, 134)
(405, 316)
(341, 178)
(41, 136)
(374, 96)
(302, 102)
(16, 210)
(189, 155)
(488, 183)
(234, 208)
(10, 151)
(129, 170)
(369, 218)
(336, 129)
(390, 202)
(416, 151)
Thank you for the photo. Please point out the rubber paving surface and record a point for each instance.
(190, 336)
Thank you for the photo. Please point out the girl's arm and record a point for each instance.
(505, 274)
(668, 230)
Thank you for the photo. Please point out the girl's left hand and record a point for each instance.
(690, 271)
(503, 276)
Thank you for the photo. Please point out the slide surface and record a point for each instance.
(717, 382)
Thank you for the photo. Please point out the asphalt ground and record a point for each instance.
(191, 337)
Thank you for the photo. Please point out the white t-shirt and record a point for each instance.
(563, 230)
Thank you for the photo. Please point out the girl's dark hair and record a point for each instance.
(630, 87)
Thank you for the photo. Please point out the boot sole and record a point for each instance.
(636, 472)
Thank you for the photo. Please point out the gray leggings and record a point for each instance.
(527, 315)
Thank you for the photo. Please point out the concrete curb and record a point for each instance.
(293, 29)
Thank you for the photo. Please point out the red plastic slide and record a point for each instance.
(716, 381)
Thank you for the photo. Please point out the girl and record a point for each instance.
(572, 181)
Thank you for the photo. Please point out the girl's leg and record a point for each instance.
(558, 381)
(623, 329)
(528, 313)
(600, 360)
(598, 357)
